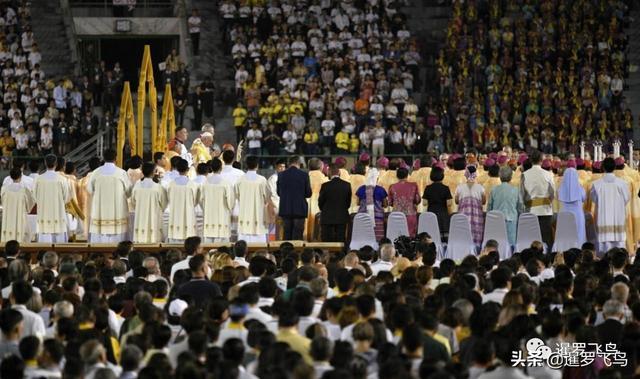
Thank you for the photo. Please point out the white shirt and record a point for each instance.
(33, 323)
(240, 261)
(497, 295)
(537, 188)
(255, 138)
(290, 137)
(378, 266)
(25, 181)
(182, 265)
(256, 313)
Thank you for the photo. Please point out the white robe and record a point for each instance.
(17, 201)
(232, 175)
(217, 201)
(610, 196)
(109, 187)
(253, 194)
(51, 192)
(26, 181)
(183, 196)
(273, 187)
(149, 199)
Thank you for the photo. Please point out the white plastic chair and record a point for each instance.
(495, 228)
(428, 223)
(397, 225)
(362, 232)
(460, 238)
(528, 231)
(566, 232)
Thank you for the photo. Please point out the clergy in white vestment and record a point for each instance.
(17, 201)
(276, 226)
(202, 172)
(183, 196)
(232, 175)
(26, 180)
(51, 192)
(610, 196)
(110, 188)
(217, 200)
(149, 200)
(254, 196)
(168, 176)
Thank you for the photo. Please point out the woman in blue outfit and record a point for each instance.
(571, 196)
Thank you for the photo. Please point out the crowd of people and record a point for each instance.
(539, 75)
(401, 310)
(323, 76)
(339, 78)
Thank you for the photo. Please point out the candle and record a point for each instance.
(616, 149)
(631, 162)
(582, 150)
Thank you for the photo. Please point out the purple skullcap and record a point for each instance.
(383, 162)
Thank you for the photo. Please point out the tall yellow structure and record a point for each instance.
(126, 121)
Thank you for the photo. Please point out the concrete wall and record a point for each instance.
(140, 26)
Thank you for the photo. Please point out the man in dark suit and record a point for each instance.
(610, 331)
(334, 202)
(294, 188)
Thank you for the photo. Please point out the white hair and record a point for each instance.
(208, 128)
(387, 252)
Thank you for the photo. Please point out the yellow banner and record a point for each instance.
(127, 118)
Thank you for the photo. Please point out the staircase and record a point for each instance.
(48, 24)
(215, 62)
(427, 20)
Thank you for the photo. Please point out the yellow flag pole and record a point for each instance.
(153, 105)
(125, 113)
(167, 104)
(142, 97)
(120, 131)
(131, 122)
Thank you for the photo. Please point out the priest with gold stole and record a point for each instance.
(109, 188)
(51, 192)
(316, 178)
(492, 180)
(341, 162)
(201, 148)
(217, 201)
(620, 173)
(421, 176)
(455, 177)
(17, 201)
(183, 195)
(254, 196)
(149, 200)
(357, 179)
(389, 177)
